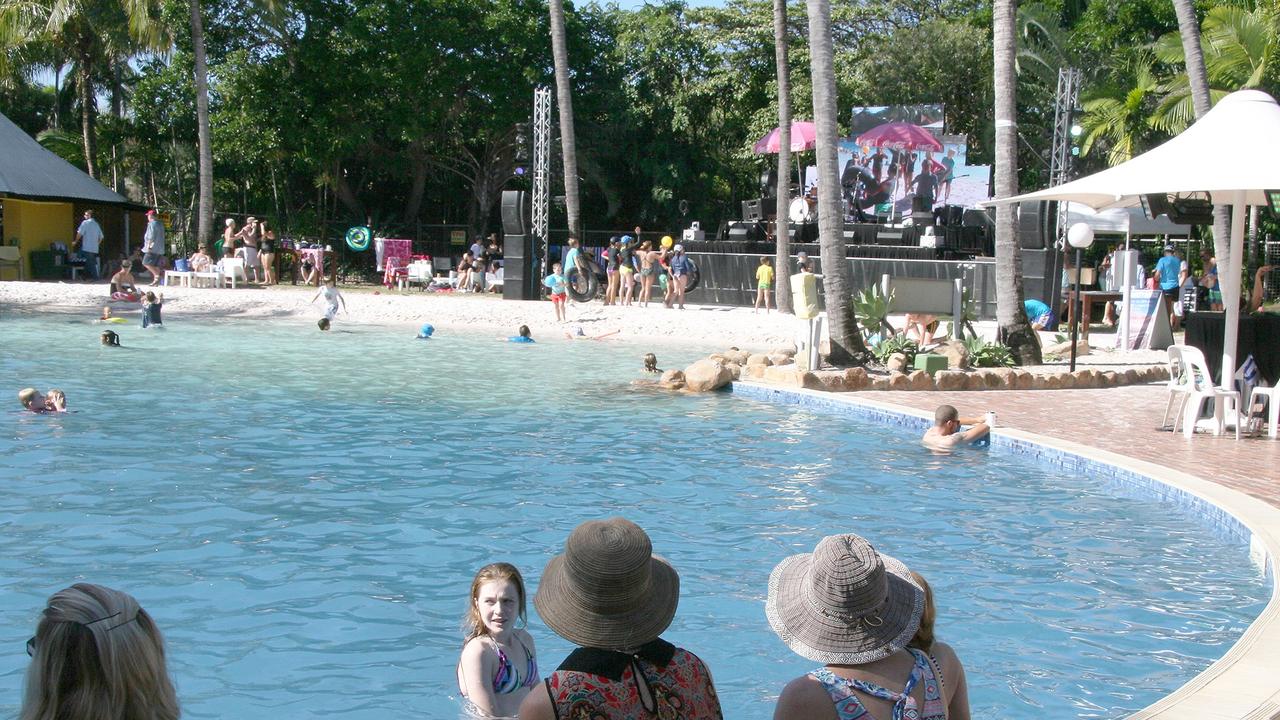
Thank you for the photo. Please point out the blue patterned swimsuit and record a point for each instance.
(849, 707)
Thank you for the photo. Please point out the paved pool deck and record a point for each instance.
(1119, 427)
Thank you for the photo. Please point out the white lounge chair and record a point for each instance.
(1191, 379)
(419, 271)
(233, 270)
(184, 277)
(1271, 395)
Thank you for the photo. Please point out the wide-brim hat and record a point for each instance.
(844, 603)
(608, 590)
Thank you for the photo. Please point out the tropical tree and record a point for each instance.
(204, 215)
(1198, 79)
(782, 226)
(1014, 329)
(89, 33)
(846, 342)
(564, 100)
(1118, 115)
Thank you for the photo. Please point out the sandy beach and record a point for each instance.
(707, 328)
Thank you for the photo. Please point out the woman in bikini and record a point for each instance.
(498, 666)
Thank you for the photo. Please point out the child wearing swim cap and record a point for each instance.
(498, 666)
(426, 331)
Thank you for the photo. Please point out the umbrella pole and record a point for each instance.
(1230, 280)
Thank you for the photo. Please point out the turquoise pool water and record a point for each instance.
(302, 513)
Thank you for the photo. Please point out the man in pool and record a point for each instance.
(946, 432)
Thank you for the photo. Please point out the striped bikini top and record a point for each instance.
(507, 678)
(849, 707)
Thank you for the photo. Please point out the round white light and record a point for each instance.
(1080, 235)
(1076, 130)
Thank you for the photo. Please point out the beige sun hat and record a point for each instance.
(844, 603)
(608, 590)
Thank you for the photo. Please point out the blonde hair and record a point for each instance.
(923, 639)
(472, 625)
(98, 654)
(26, 395)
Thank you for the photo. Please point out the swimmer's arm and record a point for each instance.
(473, 667)
(977, 432)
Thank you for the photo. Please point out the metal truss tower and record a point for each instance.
(1064, 111)
(541, 173)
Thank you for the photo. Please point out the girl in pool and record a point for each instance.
(498, 666)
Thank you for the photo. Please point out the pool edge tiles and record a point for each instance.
(1229, 687)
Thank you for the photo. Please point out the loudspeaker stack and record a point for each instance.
(519, 267)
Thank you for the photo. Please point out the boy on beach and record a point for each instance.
(764, 284)
(559, 291)
(332, 297)
(946, 432)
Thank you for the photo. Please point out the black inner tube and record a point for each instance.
(582, 287)
(695, 276)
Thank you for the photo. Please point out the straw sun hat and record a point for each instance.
(844, 603)
(608, 590)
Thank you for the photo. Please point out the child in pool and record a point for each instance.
(110, 338)
(651, 363)
(498, 666)
(32, 400)
(151, 309)
(522, 337)
(55, 401)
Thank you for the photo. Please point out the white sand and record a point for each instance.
(707, 328)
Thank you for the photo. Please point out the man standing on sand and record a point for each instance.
(153, 247)
(946, 431)
(89, 237)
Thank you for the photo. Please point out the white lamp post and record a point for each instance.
(1080, 236)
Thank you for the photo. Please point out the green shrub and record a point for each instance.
(986, 354)
(871, 308)
(899, 343)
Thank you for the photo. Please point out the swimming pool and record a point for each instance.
(302, 513)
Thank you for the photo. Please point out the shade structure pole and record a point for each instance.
(1076, 307)
(1230, 280)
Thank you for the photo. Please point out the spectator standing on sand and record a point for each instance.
(251, 237)
(609, 595)
(89, 238)
(857, 611)
(764, 284)
(153, 247)
(559, 291)
(267, 255)
(681, 268)
(229, 235)
(648, 271)
(97, 654)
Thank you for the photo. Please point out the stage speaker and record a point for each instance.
(516, 212)
(769, 182)
(519, 268)
(950, 215)
(1042, 275)
(745, 232)
(752, 210)
(1034, 229)
(975, 217)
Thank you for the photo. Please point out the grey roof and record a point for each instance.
(28, 170)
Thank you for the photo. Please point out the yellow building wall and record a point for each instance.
(36, 224)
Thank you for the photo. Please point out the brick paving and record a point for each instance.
(1122, 420)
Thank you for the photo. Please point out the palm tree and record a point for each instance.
(846, 342)
(568, 143)
(1014, 329)
(1119, 116)
(1198, 78)
(204, 217)
(782, 228)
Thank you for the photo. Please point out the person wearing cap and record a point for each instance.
(1168, 269)
(857, 610)
(613, 598)
(626, 267)
(229, 235)
(89, 238)
(153, 247)
(426, 331)
(680, 270)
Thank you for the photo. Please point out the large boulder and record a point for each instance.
(737, 356)
(879, 382)
(899, 381)
(951, 379)
(1023, 380)
(707, 375)
(758, 359)
(829, 380)
(672, 379)
(784, 375)
(897, 363)
(787, 350)
(1003, 378)
(779, 359)
(755, 372)
(856, 379)
(920, 380)
(956, 353)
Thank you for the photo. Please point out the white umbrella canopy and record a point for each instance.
(1231, 153)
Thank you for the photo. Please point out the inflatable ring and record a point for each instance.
(695, 277)
(358, 238)
(113, 320)
(574, 278)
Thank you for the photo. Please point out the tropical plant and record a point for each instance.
(987, 354)
(204, 215)
(871, 307)
(1117, 116)
(782, 225)
(846, 341)
(1014, 328)
(892, 344)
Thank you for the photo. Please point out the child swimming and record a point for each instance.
(498, 666)
(32, 400)
(110, 338)
(55, 401)
(651, 363)
(151, 309)
(522, 337)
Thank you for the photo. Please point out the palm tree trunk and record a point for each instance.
(564, 100)
(204, 221)
(1198, 79)
(1014, 329)
(782, 228)
(88, 115)
(846, 341)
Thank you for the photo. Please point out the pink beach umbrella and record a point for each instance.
(900, 136)
(804, 136)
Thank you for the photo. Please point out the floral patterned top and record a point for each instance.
(849, 707)
(595, 684)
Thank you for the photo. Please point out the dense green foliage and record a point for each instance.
(402, 111)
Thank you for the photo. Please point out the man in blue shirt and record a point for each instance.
(1040, 315)
(1167, 271)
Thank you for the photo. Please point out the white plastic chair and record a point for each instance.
(420, 271)
(1272, 397)
(1200, 387)
(1179, 388)
(183, 277)
(233, 269)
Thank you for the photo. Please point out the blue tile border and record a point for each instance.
(1215, 518)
